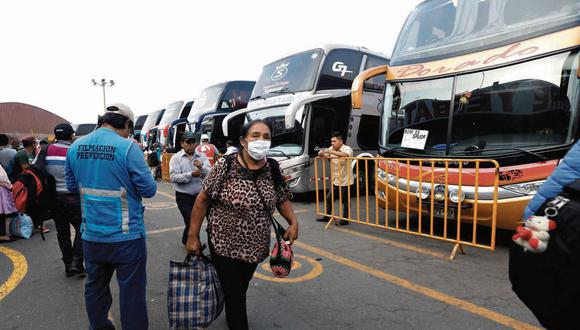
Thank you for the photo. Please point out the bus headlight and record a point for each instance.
(439, 193)
(293, 169)
(456, 197)
(424, 193)
(527, 188)
(381, 174)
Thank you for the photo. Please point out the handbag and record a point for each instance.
(194, 293)
(282, 255)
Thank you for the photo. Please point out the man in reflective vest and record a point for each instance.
(208, 149)
(110, 173)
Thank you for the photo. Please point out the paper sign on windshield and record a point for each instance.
(414, 139)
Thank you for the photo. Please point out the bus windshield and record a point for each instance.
(171, 113)
(285, 142)
(207, 102)
(296, 73)
(151, 120)
(533, 104)
(444, 28)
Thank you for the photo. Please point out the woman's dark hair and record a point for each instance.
(3, 139)
(247, 126)
(116, 120)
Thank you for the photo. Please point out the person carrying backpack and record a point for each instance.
(110, 173)
(68, 205)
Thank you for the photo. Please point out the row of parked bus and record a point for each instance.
(467, 80)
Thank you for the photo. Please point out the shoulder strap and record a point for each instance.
(228, 159)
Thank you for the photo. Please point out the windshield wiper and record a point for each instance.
(528, 152)
(281, 152)
(281, 91)
(257, 97)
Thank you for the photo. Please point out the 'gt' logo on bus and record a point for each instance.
(280, 72)
(340, 67)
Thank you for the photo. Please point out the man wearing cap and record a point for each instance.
(24, 157)
(208, 149)
(187, 169)
(109, 172)
(68, 208)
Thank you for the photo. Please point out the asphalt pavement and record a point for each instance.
(351, 277)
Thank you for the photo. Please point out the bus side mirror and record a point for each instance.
(358, 84)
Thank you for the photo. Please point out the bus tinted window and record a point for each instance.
(377, 83)
(340, 68)
(293, 74)
(443, 28)
(237, 96)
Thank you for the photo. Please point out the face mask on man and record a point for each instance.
(259, 149)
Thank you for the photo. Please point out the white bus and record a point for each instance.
(306, 97)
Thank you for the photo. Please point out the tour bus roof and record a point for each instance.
(327, 47)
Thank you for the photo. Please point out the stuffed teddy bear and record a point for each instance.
(533, 236)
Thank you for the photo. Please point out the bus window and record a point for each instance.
(320, 129)
(236, 97)
(368, 130)
(375, 84)
(340, 68)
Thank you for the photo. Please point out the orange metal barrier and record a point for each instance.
(443, 199)
(165, 158)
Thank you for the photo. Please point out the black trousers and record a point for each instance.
(235, 276)
(548, 283)
(343, 199)
(185, 204)
(67, 213)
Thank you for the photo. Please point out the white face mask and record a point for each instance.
(258, 149)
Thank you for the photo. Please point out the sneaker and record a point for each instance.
(342, 223)
(44, 229)
(68, 272)
(78, 269)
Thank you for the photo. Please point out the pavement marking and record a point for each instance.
(164, 230)
(425, 291)
(314, 273)
(166, 194)
(18, 273)
(160, 205)
(437, 295)
(401, 245)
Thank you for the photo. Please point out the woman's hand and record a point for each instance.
(291, 233)
(193, 246)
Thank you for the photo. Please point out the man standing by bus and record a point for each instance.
(208, 149)
(187, 169)
(342, 180)
(110, 173)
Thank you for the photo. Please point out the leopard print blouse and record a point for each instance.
(238, 224)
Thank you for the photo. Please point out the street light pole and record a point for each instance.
(103, 83)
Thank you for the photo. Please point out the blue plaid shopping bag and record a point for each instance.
(194, 294)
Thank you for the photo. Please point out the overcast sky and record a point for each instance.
(158, 52)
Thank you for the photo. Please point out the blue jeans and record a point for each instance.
(129, 259)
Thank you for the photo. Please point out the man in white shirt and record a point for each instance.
(341, 174)
(187, 169)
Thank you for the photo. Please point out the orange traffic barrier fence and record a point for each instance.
(165, 158)
(452, 200)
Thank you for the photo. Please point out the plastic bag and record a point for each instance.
(21, 226)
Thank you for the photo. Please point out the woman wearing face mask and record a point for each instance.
(242, 191)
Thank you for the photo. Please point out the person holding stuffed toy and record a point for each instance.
(544, 265)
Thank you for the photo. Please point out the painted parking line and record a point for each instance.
(20, 269)
(166, 194)
(400, 245)
(422, 290)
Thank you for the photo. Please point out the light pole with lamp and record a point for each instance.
(103, 83)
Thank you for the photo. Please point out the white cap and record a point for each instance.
(121, 109)
(204, 137)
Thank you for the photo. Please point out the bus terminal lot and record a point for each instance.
(351, 277)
